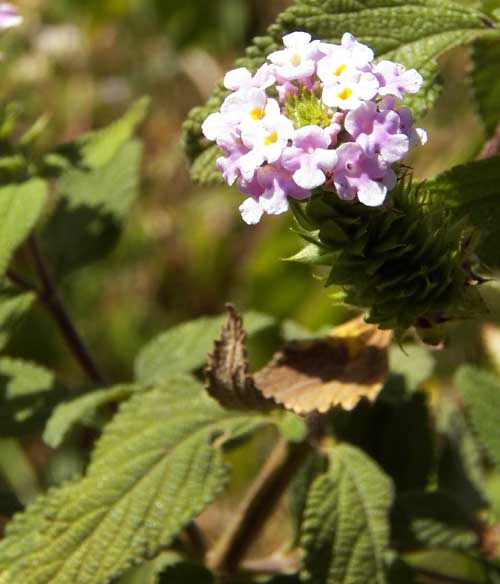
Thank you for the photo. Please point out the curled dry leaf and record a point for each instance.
(305, 376)
(227, 375)
(339, 370)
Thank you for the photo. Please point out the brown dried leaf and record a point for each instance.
(339, 370)
(227, 375)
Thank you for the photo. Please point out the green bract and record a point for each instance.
(407, 263)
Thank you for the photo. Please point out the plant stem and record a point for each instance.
(258, 506)
(49, 297)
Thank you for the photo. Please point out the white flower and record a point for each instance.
(298, 59)
(350, 54)
(360, 53)
(251, 211)
(266, 142)
(250, 106)
(241, 79)
(348, 91)
(218, 126)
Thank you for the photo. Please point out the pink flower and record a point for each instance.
(230, 165)
(298, 59)
(269, 191)
(9, 16)
(310, 158)
(357, 175)
(396, 80)
(378, 133)
(416, 136)
(286, 90)
(241, 79)
(346, 131)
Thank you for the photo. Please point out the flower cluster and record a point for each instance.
(9, 16)
(316, 115)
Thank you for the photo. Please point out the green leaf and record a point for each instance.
(460, 465)
(20, 208)
(312, 254)
(157, 465)
(24, 379)
(149, 572)
(314, 465)
(93, 205)
(434, 520)
(27, 394)
(410, 366)
(96, 149)
(472, 191)
(486, 82)
(481, 394)
(185, 347)
(68, 414)
(13, 307)
(447, 566)
(412, 32)
(346, 524)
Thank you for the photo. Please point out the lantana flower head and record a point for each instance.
(317, 115)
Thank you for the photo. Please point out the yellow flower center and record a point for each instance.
(296, 60)
(271, 139)
(339, 69)
(257, 113)
(345, 93)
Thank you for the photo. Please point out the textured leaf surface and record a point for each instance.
(68, 414)
(149, 572)
(20, 208)
(93, 204)
(346, 524)
(433, 520)
(155, 467)
(481, 393)
(185, 347)
(12, 308)
(413, 32)
(486, 82)
(473, 191)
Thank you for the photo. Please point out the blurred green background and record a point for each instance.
(185, 250)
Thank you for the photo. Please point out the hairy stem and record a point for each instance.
(48, 295)
(258, 506)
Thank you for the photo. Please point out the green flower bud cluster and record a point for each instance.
(307, 109)
(407, 263)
